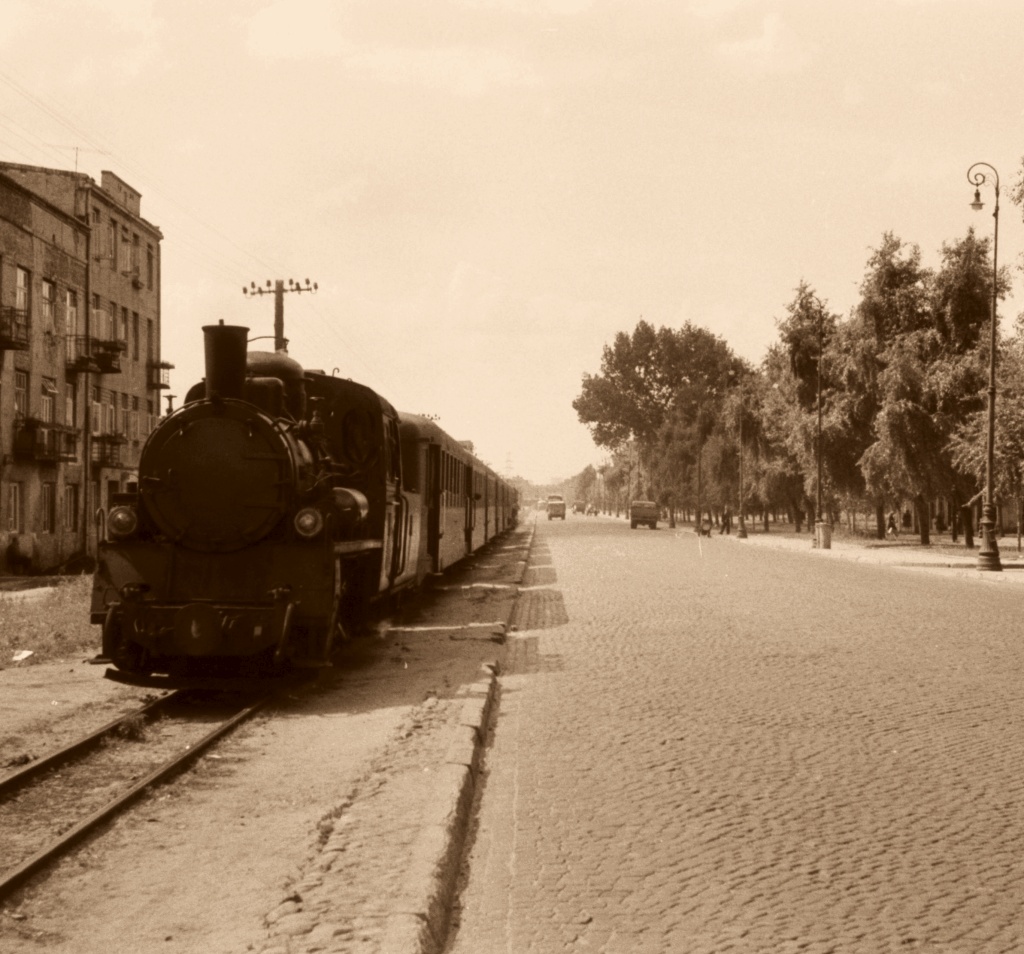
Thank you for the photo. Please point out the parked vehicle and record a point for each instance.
(643, 512)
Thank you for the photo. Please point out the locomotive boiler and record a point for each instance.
(271, 510)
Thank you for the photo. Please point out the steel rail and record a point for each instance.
(15, 780)
(179, 763)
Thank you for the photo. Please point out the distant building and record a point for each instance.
(80, 366)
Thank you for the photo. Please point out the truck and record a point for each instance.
(556, 506)
(643, 512)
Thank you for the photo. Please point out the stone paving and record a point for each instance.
(707, 746)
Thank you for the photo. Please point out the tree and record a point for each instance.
(584, 484)
(805, 333)
(631, 395)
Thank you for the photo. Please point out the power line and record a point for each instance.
(217, 261)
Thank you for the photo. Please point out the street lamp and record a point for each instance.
(988, 554)
(741, 533)
(822, 538)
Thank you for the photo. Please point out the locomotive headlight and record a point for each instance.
(122, 522)
(309, 522)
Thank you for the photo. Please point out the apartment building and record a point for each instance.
(80, 366)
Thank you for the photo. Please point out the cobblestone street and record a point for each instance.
(705, 746)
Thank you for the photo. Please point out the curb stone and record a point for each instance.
(419, 925)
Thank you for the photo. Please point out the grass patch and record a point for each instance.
(53, 626)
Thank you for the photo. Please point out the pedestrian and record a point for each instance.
(892, 529)
(726, 521)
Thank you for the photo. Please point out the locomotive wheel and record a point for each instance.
(121, 651)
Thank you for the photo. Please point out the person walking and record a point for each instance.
(892, 528)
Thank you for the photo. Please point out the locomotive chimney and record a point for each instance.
(225, 360)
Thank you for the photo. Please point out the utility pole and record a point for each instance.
(277, 289)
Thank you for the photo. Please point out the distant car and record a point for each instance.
(556, 506)
(578, 507)
(645, 512)
(591, 510)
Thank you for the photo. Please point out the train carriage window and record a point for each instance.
(412, 478)
(394, 457)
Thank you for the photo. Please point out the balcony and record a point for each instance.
(159, 375)
(44, 441)
(97, 355)
(107, 449)
(14, 329)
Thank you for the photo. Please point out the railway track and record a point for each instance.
(105, 772)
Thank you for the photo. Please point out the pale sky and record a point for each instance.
(486, 191)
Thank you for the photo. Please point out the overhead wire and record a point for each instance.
(215, 257)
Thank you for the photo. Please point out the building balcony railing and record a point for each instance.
(159, 375)
(107, 449)
(97, 355)
(118, 345)
(14, 329)
(44, 441)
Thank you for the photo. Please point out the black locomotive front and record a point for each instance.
(227, 557)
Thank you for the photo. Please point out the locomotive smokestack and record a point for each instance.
(225, 360)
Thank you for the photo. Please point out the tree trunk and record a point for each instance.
(954, 516)
(1020, 513)
(968, 519)
(924, 521)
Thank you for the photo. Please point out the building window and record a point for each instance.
(48, 503)
(124, 325)
(13, 516)
(22, 290)
(110, 413)
(133, 420)
(149, 267)
(135, 335)
(48, 401)
(95, 412)
(20, 393)
(49, 299)
(69, 406)
(123, 422)
(149, 339)
(71, 508)
(124, 262)
(112, 244)
(70, 312)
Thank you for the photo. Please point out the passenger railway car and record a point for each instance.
(272, 509)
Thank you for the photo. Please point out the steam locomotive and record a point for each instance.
(273, 508)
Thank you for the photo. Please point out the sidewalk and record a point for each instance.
(906, 552)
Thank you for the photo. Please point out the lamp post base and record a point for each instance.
(988, 554)
(741, 534)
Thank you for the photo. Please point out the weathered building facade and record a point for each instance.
(80, 365)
